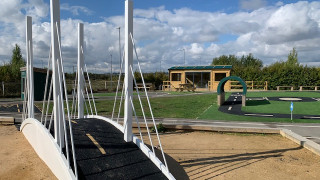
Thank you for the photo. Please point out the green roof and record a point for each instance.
(200, 67)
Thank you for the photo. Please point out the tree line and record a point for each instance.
(281, 73)
(10, 72)
(248, 67)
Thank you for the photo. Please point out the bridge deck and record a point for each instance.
(121, 160)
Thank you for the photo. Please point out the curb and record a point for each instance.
(302, 141)
(223, 129)
(7, 120)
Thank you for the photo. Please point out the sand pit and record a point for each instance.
(203, 155)
(18, 160)
(207, 155)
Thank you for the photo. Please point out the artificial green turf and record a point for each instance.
(284, 94)
(203, 106)
(282, 107)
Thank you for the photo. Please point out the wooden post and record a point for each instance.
(266, 85)
(3, 88)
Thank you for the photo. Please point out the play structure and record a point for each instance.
(221, 91)
(98, 147)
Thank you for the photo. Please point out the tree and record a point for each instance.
(250, 61)
(16, 62)
(293, 58)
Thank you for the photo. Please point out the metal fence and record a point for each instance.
(10, 89)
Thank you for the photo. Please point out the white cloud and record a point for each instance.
(269, 33)
(76, 10)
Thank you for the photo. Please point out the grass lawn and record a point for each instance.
(204, 106)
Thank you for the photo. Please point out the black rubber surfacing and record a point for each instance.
(122, 160)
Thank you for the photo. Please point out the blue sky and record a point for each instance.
(204, 28)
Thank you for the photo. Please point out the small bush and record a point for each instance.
(160, 127)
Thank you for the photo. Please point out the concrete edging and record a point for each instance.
(302, 141)
(7, 120)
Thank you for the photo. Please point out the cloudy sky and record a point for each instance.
(163, 28)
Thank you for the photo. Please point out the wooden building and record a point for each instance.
(201, 78)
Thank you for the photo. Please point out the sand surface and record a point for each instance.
(201, 155)
(18, 160)
(208, 155)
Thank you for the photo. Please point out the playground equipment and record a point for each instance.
(221, 93)
(52, 135)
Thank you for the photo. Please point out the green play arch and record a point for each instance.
(224, 80)
(220, 90)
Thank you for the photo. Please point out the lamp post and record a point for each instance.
(111, 72)
(119, 48)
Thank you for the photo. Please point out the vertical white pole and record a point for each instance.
(29, 69)
(128, 75)
(80, 69)
(55, 23)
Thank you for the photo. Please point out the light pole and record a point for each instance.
(111, 71)
(119, 48)
(184, 55)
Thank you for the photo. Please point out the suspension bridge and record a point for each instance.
(70, 137)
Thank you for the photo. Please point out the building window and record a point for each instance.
(219, 76)
(175, 76)
(198, 79)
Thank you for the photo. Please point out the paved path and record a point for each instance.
(308, 130)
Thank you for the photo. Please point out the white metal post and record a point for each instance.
(29, 69)
(58, 110)
(80, 69)
(128, 75)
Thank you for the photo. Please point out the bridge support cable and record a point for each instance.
(118, 85)
(51, 119)
(74, 97)
(86, 88)
(92, 97)
(121, 100)
(144, 116)
(48, 104)
(61, 72)
(25, 98)
(46, 86)
(85, 103)
(146, 93)
(136, 118)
